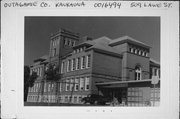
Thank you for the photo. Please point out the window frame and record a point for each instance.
(87, 83)
(138, 73)
(83, 62)
(88, 61)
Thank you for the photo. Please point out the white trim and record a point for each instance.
(87, 80)
(88, 60)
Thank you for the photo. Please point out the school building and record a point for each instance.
(119, 68)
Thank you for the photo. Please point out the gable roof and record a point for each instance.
(127, 39)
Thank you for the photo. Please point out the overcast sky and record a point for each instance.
(38, 30)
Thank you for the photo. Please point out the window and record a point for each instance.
(146, 54)
(75, 99)
(52, 87)
(143, 53)
(73, 43)
(81, 49)
(60, 87)
(62, 67)
(77, 50)
(135, 51)
(71, 84)
(131, 49)
(39, 71)
(137, 73)
(155, 72)
(87, 83)
(44, 87)
(49, 87)
(76, 87)
(37, 87)
(69, 42)
(88, 61)
(34, 87)
(78, 63)
(83, 62)
(73, 64)
(67, 85)
(151, 72)
(66, 98)
(54, 52)
(69, 66)
(80, 99)
(81, 83)
(65, 42)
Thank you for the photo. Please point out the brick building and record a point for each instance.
(119, 68)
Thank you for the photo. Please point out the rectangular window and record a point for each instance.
(69, 66)
(69, 42)
(155, 72)
(73, 64)
(75, 99)
(87, 83)
(62, 67)
(34, 88)
(81, 49)
(49, 87)
(66, 99)
(52, 87)
(60, 87)
(71, 84)
(37, 87)
(54, 52)
(67, 85)
(83, 62)
(45, 87)
(78, 63)
(82, 83)
(80, 99)
(40, 71)
(88, 61)
(73, 44)
(76, 87)
(65, 42)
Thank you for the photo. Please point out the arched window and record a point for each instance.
(138, 73)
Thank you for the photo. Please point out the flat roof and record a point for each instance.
(121, 82)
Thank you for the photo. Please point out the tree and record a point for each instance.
(52, 74)
(29, 80)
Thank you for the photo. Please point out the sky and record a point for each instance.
(38, 30)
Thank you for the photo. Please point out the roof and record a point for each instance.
(82, 44)
(127, 39)
(120, 82)
(102, 44)
(152, 61)
(43, 58)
